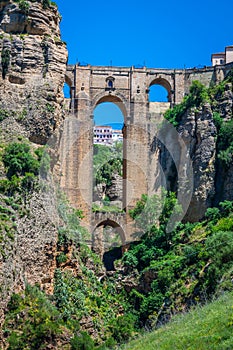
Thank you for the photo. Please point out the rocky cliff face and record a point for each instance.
(211, 182)
(224, 176)
(33, 64)
(32, 74)
(197, 127)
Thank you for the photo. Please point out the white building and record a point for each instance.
(223, 57)
(117, 136)
(103, 135)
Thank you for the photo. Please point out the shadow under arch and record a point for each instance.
(114, 253)
(164, 83)
(117, 99)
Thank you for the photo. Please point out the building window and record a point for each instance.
(110, 83)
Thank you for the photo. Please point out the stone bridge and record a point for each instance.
(128, 88)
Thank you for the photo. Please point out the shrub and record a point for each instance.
(220, 251)
(46, 3)
(226, 156)
(130, 259)
(32, 320)
(122, 328)
(18, 160)
(4, 114)
(226, 207)
(154, 210)
(224, 224)
(61, 258)
(24, 6)
(212, 213)
(198, 95)
(82, 342)
(218, 121)
(225, 143)
(9, 187)
(28, 182)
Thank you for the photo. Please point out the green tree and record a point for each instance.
(106, 162)
(18, 160)
(198, 94)
(154, 211)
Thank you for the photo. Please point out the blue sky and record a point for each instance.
(160, 34)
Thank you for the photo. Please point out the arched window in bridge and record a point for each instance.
(110, 83)
(160, 91)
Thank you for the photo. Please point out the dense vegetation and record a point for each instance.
(214, 95)
(22, 167)
(197, 96)
(35, 320)
(107, 161)
(182, 267)
(173, 272)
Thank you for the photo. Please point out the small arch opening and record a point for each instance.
(110, 84)
(160, 90)
(160, 97)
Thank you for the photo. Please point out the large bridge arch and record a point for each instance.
(116, 98)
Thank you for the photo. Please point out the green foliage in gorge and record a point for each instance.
(154, 210)
(37, 324)
(225, 143)
(188, 265)
(18, 160)
(106, 162)
(24, 6)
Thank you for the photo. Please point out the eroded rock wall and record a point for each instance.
(32, 64)
(210, 181)
(32, 74)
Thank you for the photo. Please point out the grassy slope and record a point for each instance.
(206, 328)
